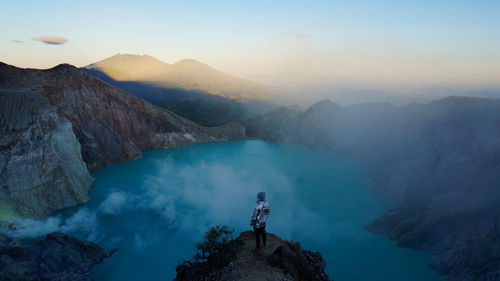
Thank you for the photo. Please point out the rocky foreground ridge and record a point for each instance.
(59, 125)
(279, 260)
(57, 257)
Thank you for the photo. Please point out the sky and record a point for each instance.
(298, 43)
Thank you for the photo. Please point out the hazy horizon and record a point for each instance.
(299, 44)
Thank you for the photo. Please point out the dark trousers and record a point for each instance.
(260, 231)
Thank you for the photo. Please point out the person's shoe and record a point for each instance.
(264, 244)
(256, 249)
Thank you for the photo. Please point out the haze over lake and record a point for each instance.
(156, 208)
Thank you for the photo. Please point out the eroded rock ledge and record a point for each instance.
(279, 260)
(58, 257)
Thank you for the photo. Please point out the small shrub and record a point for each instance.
(214, 241)
(217, 249)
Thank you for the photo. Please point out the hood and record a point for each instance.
(261, 196)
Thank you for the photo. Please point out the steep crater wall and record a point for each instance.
(40, 158)
(53, 119)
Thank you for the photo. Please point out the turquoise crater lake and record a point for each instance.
(154, 209)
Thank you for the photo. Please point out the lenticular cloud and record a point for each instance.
(51, 40)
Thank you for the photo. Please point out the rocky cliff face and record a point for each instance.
(53, 119)
(465, 243)
(40, 158)
(111, 125)
(278, 260)
(57, 257)
(438, 163)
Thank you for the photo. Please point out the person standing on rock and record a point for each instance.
(259, 217)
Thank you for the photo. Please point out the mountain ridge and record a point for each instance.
(89, 122)
(181, 88)
(188, 74)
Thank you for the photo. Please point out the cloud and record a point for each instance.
(51, 40)
(84, 222)
(29, 228)
(17, 41)
(190, 198)
(186, 198)
(114, 203)
(304, 35)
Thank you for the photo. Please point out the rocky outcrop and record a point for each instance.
(271, 126)
(438, 163)
(58, 257)
(300, 264)
(278, 260)
(41, 167)
(42, 111)
(111, 125)
(466, 244)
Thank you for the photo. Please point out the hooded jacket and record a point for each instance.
(260, 211)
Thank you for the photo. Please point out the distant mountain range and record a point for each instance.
(189, 88)
(186, 74)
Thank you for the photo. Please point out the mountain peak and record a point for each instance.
(129, 67)
(189, 62)
(323, 105)
(187, 74)
(125, 56)
(191, 65)
(64, 66)
(128, 59)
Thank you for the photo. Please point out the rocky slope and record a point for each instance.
(188, 88)
(41, 167)
(42, 163)
(202, 107)
(438, 163)
(279, 260)
(58, 257)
